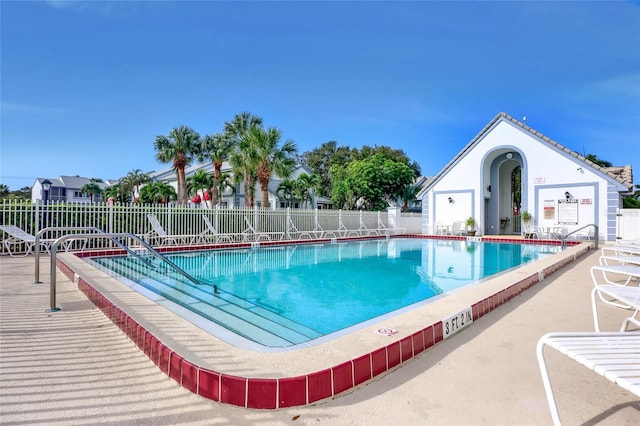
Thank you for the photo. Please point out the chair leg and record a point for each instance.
(544, 372)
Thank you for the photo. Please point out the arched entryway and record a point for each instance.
(504, 192)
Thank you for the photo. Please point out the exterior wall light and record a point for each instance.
(567, 195)
(451, 200)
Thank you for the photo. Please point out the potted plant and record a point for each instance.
(470, 224)
(527, 228)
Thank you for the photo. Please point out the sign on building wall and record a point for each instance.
(549, 210)
(568, 212)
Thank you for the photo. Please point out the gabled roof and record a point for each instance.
(71, 182)
(624, 177)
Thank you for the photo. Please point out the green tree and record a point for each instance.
(225, 182)
(157, 192)
(92, 188)
(133, 180)
(632, 201)
(271, 157)
(304, 184)
(320, 160)
(595, 160)
(408, 195)
(396, 155)
(178, 148)
(119, 192)
(342, 193)
(4, 190)
(286, 190)
(218, 148)
(377, 181)
(200, 181)
(243, 158)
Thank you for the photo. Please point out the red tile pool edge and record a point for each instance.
(261, 393)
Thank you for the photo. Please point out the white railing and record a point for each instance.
(185, 220)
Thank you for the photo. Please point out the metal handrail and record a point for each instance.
(76, 228)
(55, 228)
(563, 239)
(54, 251)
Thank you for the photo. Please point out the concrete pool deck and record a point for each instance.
(76, 367)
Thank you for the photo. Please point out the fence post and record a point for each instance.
(110, 218)
(37, 217)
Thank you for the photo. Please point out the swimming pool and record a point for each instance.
(288, 295)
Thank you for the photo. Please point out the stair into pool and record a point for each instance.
(246, 318)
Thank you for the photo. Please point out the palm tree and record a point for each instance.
(218, 148)
(134, 179)
(4, 190)
(179, 147)
(119, 192)
(408, 195)
(157, 192)
(91, 189)
(287, 190)
(200, 181)
(243, 159)
(224, 182)
(305, 184)
(271, 157)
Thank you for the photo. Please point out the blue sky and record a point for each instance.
(86, 86)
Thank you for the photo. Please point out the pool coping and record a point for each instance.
(213, 369)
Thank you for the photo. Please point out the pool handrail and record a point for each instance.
(56, 243)
(55, 228)
(563, 239)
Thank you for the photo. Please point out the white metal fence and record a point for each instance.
(187, 220)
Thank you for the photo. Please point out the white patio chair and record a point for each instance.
(363, 230)
(619, 296)
(385, 230)
(158, 234)
(456, 228)
(621, 260)
(293, 231)
(613, 356)
(250, 233)
(212, 233)
(16, 237)
(627, 272)
(621, 250)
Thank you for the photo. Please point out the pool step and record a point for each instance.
(241, 316)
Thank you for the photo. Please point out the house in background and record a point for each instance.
(235, 198)
(509, 168)
(65, 189)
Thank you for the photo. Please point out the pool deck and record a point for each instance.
(76, 367)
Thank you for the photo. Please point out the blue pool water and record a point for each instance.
(287, 295)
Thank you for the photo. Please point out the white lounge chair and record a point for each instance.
(294, 233)
(250, 234)
(16, 237)
(626, 297)
(613, 356)
(628, 271)
(621, 250)
(211, 233)
(385, 230)
(363, 230)
(158, 234)
(621, 260)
